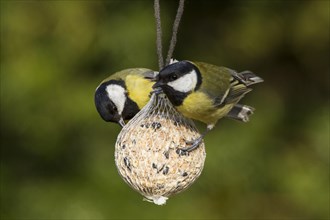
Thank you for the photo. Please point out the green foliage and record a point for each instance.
(57, 154)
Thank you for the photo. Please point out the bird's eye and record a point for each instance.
(173, 76)
(112, 108)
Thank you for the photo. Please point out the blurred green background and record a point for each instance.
(57, 154)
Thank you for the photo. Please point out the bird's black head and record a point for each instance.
(110, 98)
(178, 80)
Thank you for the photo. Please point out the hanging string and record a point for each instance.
(175, 31)
(159, 33)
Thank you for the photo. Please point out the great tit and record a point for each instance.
(120, 96)
(206, 92)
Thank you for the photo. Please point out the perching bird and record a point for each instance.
(122, 95)
(206, 92)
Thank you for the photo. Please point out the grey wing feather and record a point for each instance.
(224, 85)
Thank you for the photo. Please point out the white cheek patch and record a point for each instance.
(185, 83)
(117, 95)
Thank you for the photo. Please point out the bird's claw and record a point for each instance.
(182, 152)
(194, 144)
(190, 142)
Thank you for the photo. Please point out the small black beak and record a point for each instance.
(157, 91)
(157, 87)
(158, 84)
(154, 79)
(121, 122)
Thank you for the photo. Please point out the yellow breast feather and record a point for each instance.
(200, 107)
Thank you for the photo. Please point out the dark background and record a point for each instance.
(57, 154)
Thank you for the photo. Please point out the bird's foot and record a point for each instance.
(194, 144)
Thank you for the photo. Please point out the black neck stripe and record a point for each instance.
(199, 79)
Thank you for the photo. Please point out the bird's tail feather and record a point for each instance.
(248, 78)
